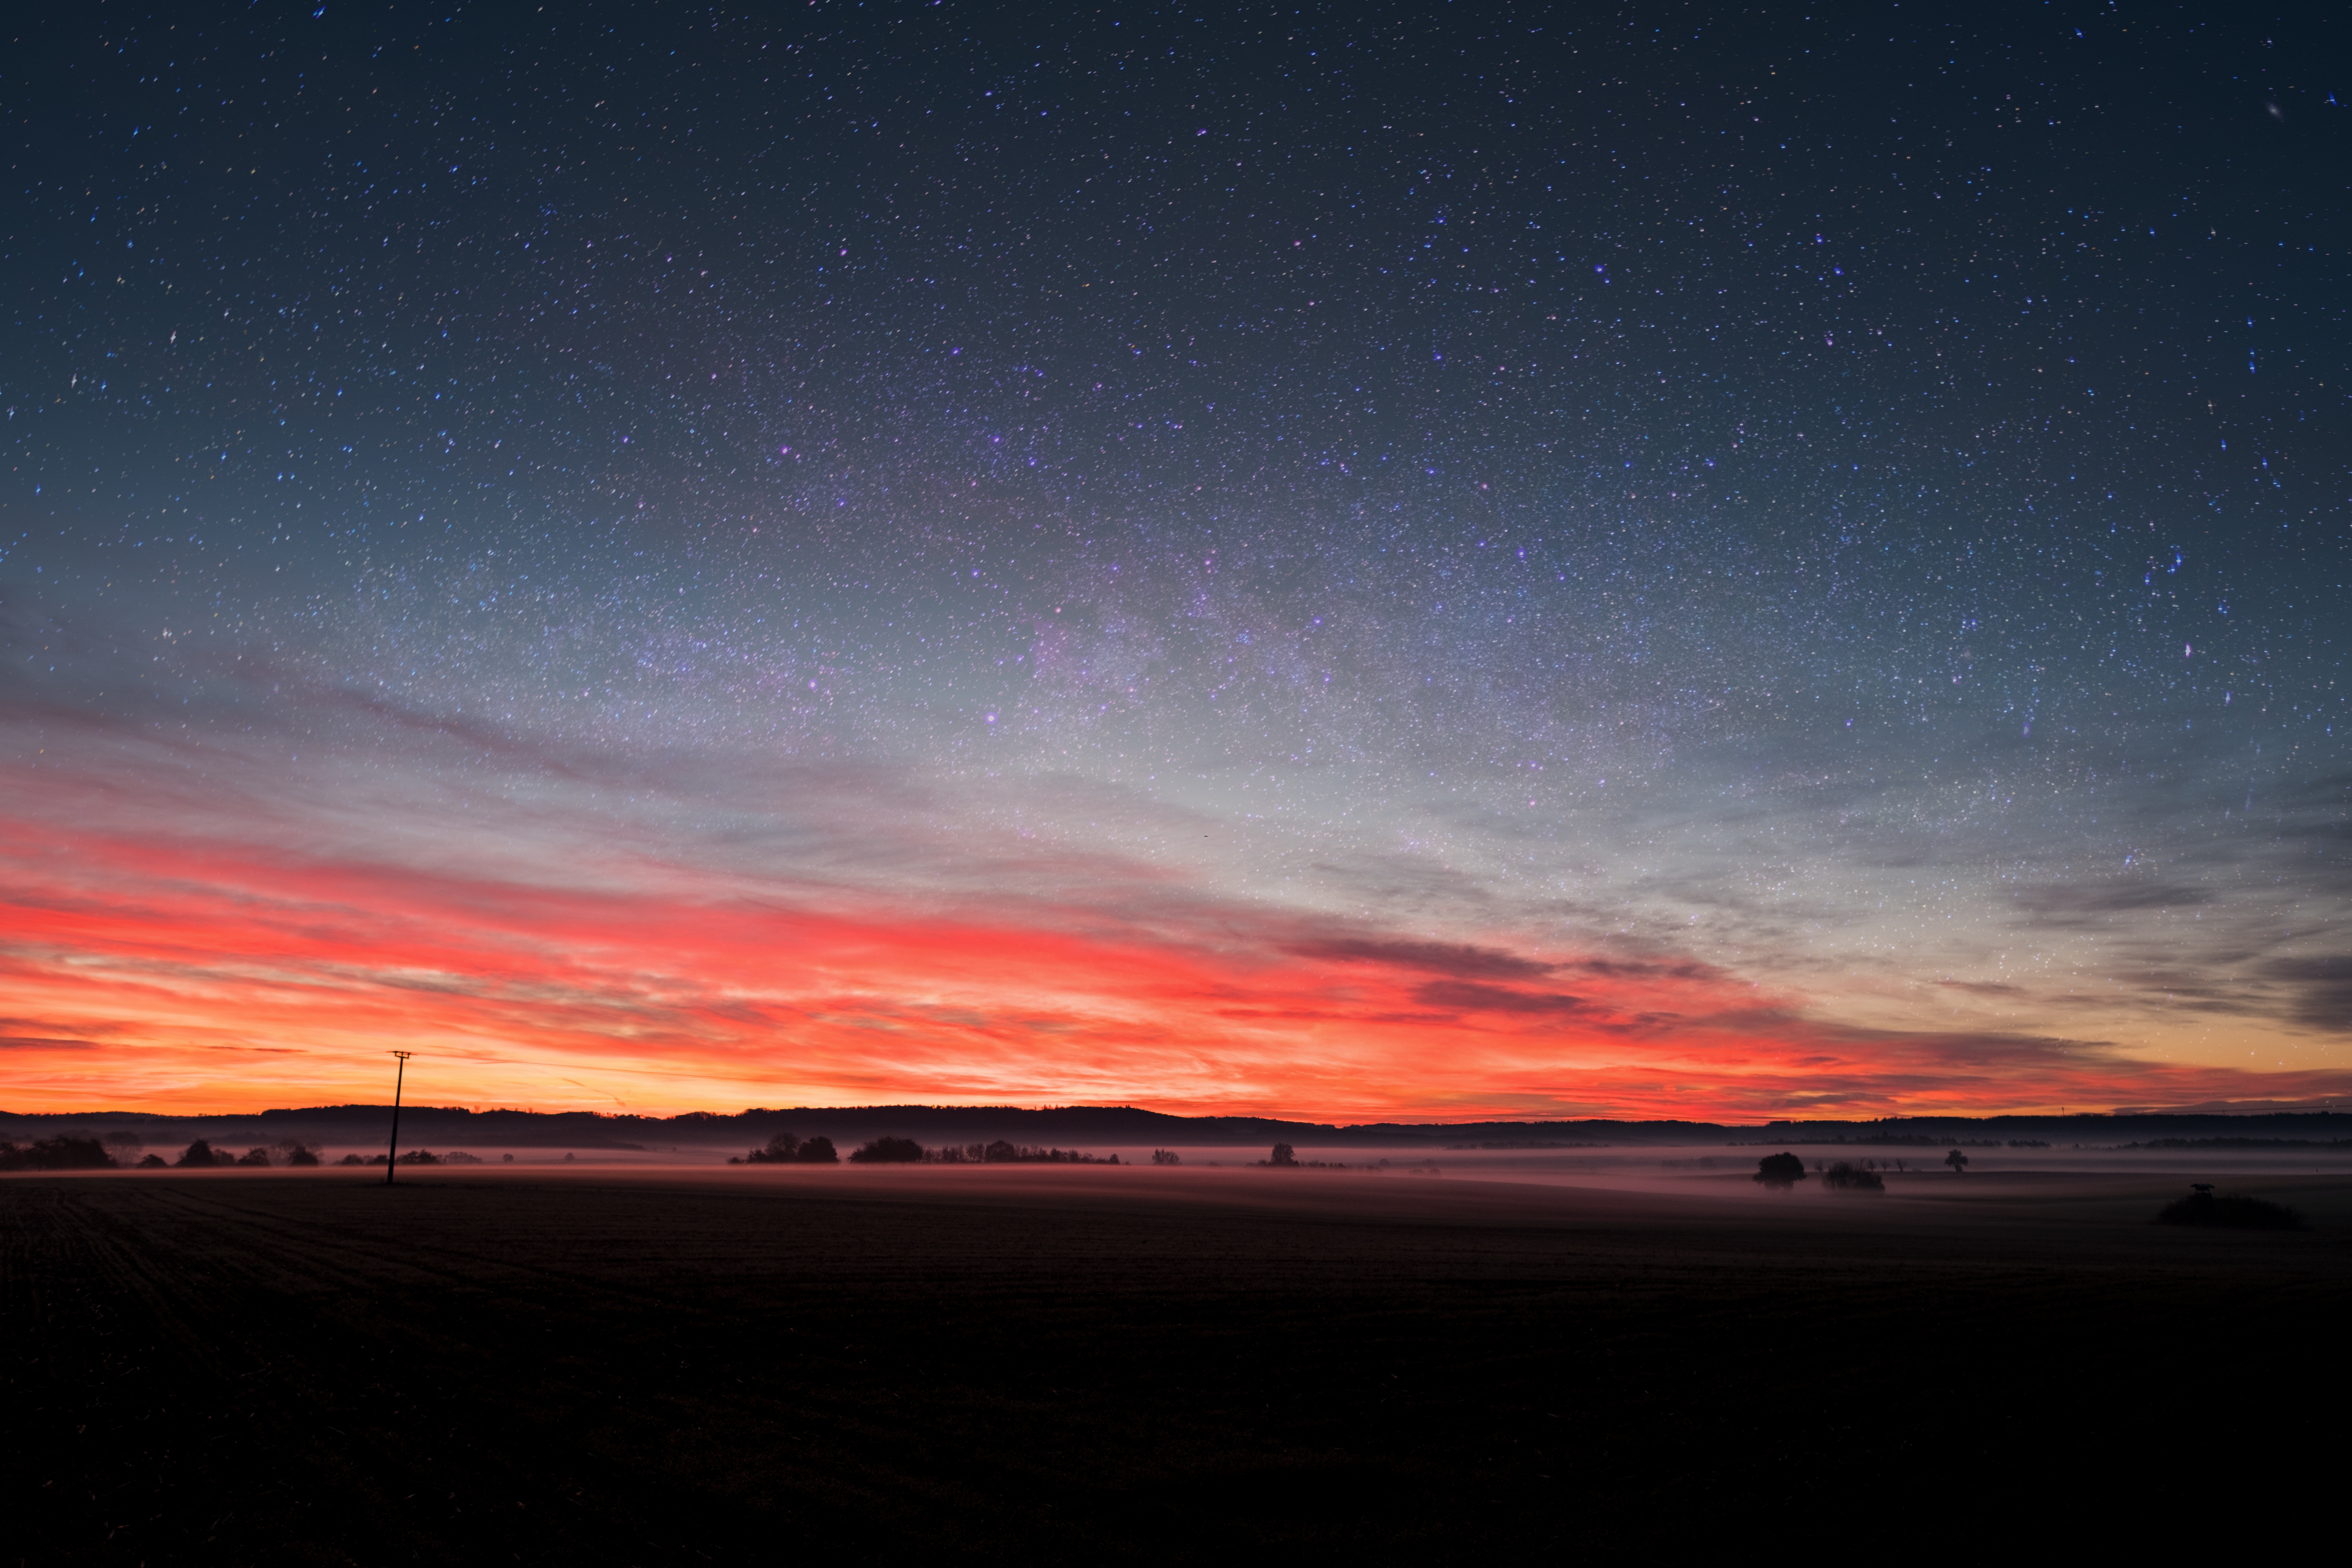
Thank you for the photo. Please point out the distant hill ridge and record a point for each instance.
(428, 1126)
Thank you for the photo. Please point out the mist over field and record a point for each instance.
(965, 1142)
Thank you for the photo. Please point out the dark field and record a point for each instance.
(1142, 1365)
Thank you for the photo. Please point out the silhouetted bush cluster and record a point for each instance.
(887, 1151)
(2229, 1212)
(201, 1155)
(1780, 1171)
(784, 1148)
(1004, 1153)
(58, 1154)
(64, 1153)
(1286, 1158)
(1845, 1178)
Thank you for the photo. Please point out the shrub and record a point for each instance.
(152, 1163)
(255, 1157)
(887, 1151)
(787, 1151)
(1782, 1171)
(351, 1160)
(2229, 1212)
(1848, 1178)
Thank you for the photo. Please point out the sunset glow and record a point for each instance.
(528, 960)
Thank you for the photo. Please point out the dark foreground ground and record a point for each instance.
(1148, 1366)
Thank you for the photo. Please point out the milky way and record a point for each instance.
(1453, 560)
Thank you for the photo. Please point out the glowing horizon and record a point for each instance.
(554, 955)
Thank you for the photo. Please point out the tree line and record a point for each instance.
(65, 1152)
(783, 1149)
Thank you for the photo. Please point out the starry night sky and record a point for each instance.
(1433, 561)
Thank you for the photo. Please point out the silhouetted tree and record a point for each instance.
(58, 1154)
(1780, 1171)
(1958, 1162)
(818, 1151)
(255, 1157)
(887, 1151)
(199, 1154)
(1000, 1152)
(354, 1160)
(420, 1157)
(152, 1163)
(1284, 1155)
(1853, 1179)
(781, 1150)
(300, 1154)
(1165, 1157)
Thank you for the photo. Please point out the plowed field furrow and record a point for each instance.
(224, 1368)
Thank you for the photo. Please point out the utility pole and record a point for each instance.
(392, 1158)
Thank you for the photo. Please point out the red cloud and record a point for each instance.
(227, 974)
